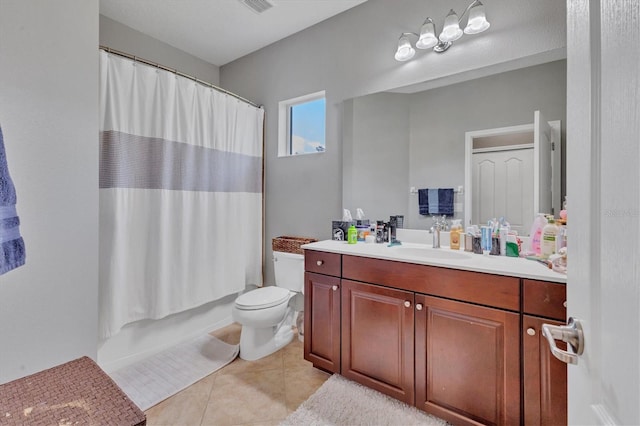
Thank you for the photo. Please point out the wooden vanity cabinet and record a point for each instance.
(467, 366)
(464, 346)
(377, 338)
(463, 327)
(322, 310)
(544, 376)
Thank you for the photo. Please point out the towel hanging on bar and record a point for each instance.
(12, 253)
(435, 201)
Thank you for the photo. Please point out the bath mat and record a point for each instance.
(154, 379)
(340, 401)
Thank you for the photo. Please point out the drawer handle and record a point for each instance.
(407, 304)
(531, 331)
(319, 262)
(419, 306)
(334, 288)
(564, 303)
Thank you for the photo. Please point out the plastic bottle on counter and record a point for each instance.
(455, 234)
(380, 231)
(503, 234)
(536, 233)
(352, 235)
(548, 242)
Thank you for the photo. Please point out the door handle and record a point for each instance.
(571, 334)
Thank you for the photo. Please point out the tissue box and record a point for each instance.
(339, 229)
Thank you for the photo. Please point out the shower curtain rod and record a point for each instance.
(176, 72)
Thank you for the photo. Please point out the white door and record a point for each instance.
(503, 186)
(603, 187)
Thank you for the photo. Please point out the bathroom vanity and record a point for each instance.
(456, 334)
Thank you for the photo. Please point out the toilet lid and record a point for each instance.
(264, 297)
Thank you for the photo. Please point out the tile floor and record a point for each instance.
(257, 393)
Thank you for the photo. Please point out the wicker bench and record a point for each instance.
(75, 393)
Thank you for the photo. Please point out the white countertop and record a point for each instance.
(444, 257)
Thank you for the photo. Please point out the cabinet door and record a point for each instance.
(322, 321)
(377, 338)
(467, 362)
(545, 377)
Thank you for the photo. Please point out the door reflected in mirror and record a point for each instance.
(513, 172)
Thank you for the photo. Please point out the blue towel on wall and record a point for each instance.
(435, 201)
(423, 201)
(12, 252)
(445, 201)
(434, 206)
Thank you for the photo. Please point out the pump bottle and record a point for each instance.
(548, 242)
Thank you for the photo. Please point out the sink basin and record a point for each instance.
(442, 253)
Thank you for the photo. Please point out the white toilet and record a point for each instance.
(267, 313)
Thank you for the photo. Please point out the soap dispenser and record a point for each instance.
(455, 234)
(548, 242)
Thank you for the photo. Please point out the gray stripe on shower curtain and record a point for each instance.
(131, 161)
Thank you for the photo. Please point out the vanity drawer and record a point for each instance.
(544, 299)
(322, 262)
(485, 289)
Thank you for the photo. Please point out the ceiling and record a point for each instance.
(220, 31)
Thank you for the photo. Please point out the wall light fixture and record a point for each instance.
(451, 31)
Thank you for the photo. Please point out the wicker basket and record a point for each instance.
(290, 244)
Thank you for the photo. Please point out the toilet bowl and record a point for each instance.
(267, 314)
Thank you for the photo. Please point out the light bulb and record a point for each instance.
(427, 35)
(451, 30)
(477, 22)
(405, 51)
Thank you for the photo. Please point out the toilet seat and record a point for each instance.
(262, 298)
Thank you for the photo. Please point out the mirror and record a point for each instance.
(399, 141)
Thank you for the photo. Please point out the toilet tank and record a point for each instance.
(289, 270)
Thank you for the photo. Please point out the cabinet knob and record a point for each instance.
(407, 304)
(334, 288)
(564, 303)
(531, 331)
(319, 262)
(419, 306)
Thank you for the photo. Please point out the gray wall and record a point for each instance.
(376, 136)
(351, 55)
(49, 116)
(120, 37)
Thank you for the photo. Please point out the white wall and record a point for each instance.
(142, 338)
(351, 55)
(49, 116)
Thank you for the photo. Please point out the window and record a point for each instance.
(301, 127)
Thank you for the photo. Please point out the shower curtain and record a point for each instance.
(180, 193)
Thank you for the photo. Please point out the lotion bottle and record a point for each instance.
(535, 236)
(455, 235)
(548, 242)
